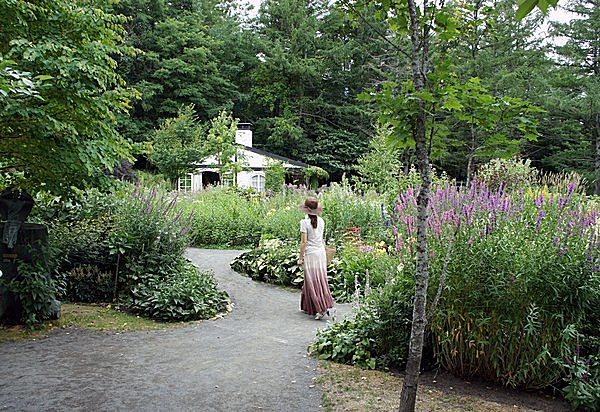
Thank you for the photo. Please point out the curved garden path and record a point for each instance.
(252, 359)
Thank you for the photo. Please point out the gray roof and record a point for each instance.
(277, 157)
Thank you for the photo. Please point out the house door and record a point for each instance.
(210, 179)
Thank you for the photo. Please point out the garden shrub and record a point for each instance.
(227, 217)
(347, 341)
(275, 177)
(509, 173)
(582, 373)
(519, 306)
(137, 238)
(85, 244)
(154, 278)
(89, 284)
(360, 267)
(35, 288)
(183, 295)
(80, 230)
(378, 335)
(379, 168)
(523, 269)
(352, 272)
(343, 208)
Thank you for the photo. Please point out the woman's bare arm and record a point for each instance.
(303, 241)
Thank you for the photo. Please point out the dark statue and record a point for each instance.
(17, 241)
(14, 209)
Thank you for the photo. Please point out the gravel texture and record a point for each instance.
(254, 358)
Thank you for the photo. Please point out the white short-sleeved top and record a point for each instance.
(314, 235)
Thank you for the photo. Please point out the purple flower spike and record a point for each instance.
(539, 218)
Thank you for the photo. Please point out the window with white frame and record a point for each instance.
(184, 183)
(258, 182)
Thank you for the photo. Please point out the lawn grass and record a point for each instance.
(101, 317)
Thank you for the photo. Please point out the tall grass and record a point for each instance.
(228, 217)
(224, 217)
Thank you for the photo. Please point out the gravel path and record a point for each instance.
(252, 359)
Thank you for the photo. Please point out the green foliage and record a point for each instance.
(313, 61)
(519, 298)
(177, 145)
(314, 174)
(380, 167)
(526, 6)
(342, 208)
(352, 273)
(66, 112)
(282, 219)
(224, 217)
(188, 59)
(346, 342)
(275, 177)
(511, 173)
(35, 288)
(89, 284)
(151, 180)
(130, 245)
(220, 142)
(531, 275)
(82, 232)
(358, 267)
(476, 121)
(189, 295)
(273, 261)
(379, 332)
(576, 93)
(583, 382)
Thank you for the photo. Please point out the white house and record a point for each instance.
(254, 163)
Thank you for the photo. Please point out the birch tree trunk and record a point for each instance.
(419, 63)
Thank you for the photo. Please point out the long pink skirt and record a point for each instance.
(316, 296)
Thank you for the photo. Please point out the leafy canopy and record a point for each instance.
(177, 144)
(60, 94)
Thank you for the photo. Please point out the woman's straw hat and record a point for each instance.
(311, 206)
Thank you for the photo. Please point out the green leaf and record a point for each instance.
(452, 103)
(43, 77)
(525, 7)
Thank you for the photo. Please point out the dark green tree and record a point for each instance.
(576, 100)
(314, 62)
(502, 67)
(179, 66)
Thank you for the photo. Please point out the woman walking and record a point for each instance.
(316, 297)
